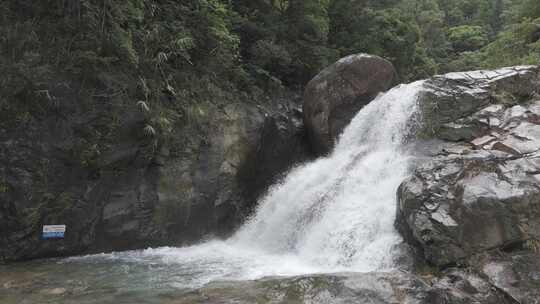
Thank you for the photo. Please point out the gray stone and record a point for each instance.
(462, 202)
(518, 275)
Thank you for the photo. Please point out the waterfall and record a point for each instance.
(334, 214)
(338, 211)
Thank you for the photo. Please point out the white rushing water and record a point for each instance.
(330, 215)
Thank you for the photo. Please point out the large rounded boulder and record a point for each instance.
(336, 94)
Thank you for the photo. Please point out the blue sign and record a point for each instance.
(53, 231)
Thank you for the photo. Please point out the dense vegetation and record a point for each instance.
(285, 41)
(169, 58)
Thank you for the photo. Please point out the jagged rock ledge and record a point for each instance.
(474, 199)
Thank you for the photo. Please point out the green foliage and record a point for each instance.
(529, 9)
(465, 61)
(467, 37)
(4, 187)
(533, 245)
(270, 56)
(166, 53)
(382, 30)
(513, 46)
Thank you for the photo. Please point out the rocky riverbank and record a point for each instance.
(473, 201)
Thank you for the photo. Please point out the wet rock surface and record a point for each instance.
(380, 288)
(517, 274)
(473, 200)
(459, 205)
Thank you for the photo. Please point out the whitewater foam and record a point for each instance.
(330, 215)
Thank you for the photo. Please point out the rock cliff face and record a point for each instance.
(139, 192)
(474, 198)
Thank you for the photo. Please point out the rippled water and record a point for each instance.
(332, 215)
(150, 275)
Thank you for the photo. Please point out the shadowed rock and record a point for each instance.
(139, 192)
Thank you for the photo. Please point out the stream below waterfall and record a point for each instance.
(332, 215)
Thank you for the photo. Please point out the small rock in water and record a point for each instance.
(54, 291)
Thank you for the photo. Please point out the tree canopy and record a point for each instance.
(73, 58)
